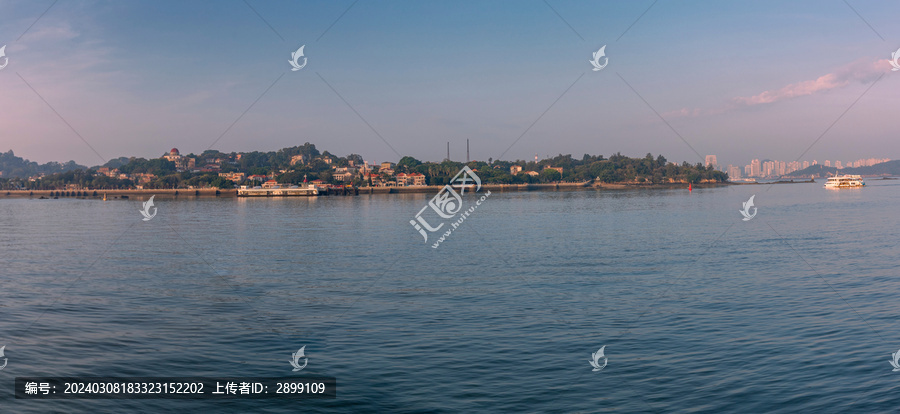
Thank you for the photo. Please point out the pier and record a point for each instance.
(119, 194)
(310, 191)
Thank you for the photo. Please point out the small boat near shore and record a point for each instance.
(845, 181)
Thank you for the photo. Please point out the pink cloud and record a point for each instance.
(861, 71)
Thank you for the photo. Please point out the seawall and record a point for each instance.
(113, 194)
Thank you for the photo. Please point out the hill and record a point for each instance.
(12, 166)
(884, 169)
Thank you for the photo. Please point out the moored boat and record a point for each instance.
(278, 191)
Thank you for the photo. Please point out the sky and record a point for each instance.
(93, 80)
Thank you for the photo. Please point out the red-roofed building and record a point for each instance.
(417, 179)
(182, 163)
(375, 179)
(404, 179)
(173, 155)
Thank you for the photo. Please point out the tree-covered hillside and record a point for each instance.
(12, 166)
(293, 165)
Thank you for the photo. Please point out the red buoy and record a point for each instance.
(690, 187)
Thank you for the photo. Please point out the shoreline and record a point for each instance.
(117, 194)
(232, 193)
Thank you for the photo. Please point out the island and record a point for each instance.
(304, 167)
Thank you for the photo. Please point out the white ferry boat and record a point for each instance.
(845, 181)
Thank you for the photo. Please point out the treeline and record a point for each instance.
(90, 179)
(59, 181)
(12, 166)
(615, 169)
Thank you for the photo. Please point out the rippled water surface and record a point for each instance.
(792, 311)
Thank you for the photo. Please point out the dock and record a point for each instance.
(310, 191)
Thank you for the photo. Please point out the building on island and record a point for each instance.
(404, 180)
(376, 179)
(143, 178)
(182, 163)
(301, 159)
(173, 155)
(344, 173)
(233, 176)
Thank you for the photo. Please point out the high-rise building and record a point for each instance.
(734, 172)
(711, 160)
(747, 171)
(827, 163)
(837, 164)
(805, 164)
(873, 161)
(768, 168)
(755, 168)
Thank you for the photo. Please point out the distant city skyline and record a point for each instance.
(773, 168)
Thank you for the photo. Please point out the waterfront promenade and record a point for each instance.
(214, 192)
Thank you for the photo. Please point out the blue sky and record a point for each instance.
(741, 80)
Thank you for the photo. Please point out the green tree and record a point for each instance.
(550, 175)
(221, 183)
(408, 163)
